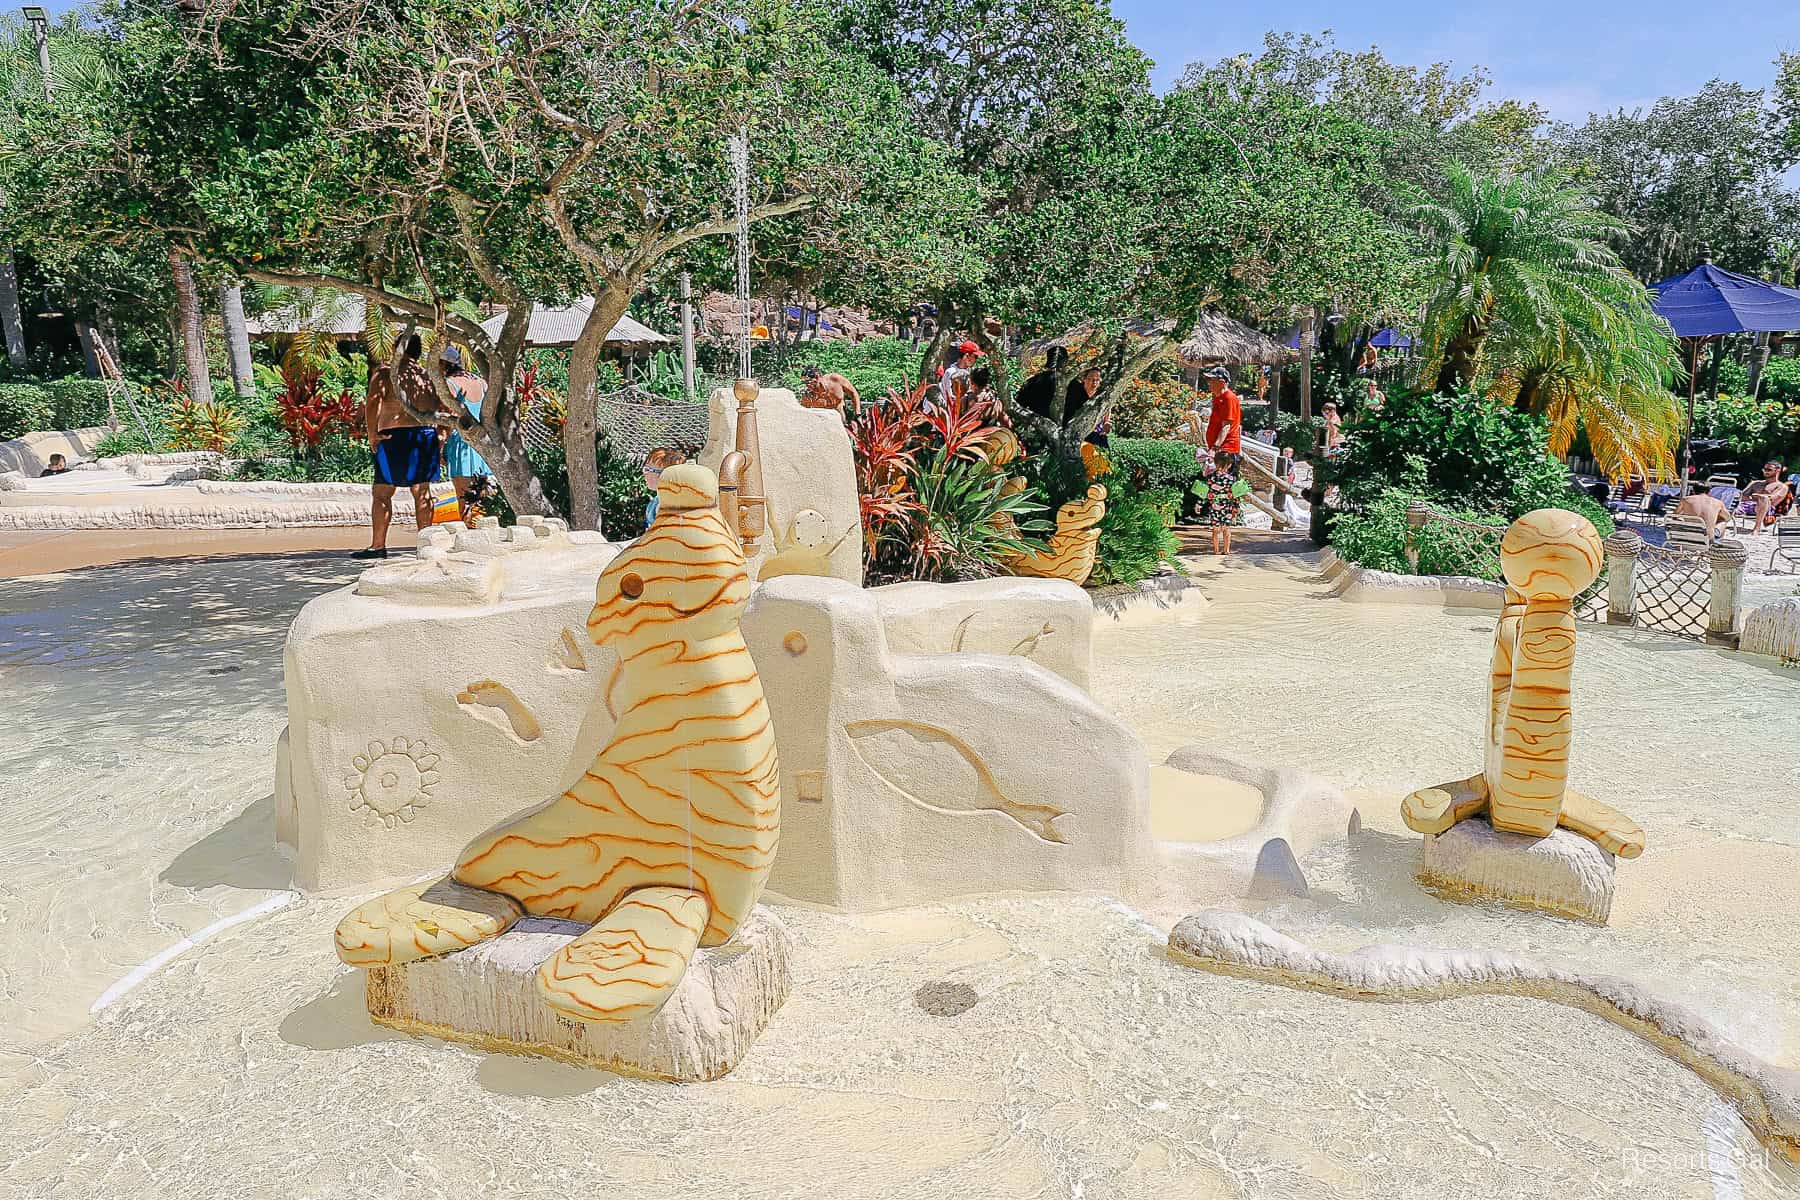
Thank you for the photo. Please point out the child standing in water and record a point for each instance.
(1222, 500)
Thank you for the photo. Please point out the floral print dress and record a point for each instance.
(1220, 506)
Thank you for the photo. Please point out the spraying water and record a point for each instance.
(740, 170)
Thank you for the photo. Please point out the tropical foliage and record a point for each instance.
(933, 504)
(310, 412)
(204, 425)
(1527, 297)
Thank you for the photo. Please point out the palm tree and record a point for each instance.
(237, 337)
(1615, 384)
(1527, 295)
(193, 334)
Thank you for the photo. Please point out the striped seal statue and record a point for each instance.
(1072, 547)
(1548, 557)
(666, 841)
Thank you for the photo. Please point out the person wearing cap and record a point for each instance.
(405, 447)
(462, 462)
(1225, 427)
(956, 376)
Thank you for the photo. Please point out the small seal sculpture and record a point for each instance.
(1548, 557)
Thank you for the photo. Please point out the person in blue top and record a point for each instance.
(654, 463)
(462, 462)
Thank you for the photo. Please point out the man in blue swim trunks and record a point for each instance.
(405, 448)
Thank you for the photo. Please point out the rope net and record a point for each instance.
(1673, 589)
(1445, 545)
(633, 421)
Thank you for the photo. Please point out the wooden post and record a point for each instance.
(687, 336)
(1621, 576)
(1727, 557)
(1306, 357)
(1416, 516)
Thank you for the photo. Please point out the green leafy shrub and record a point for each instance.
(1134, 534)
(1781, 381)
(1756, 429)
(25, 408)
(1466, 450)
(1145, 463)
(1300, 434)
(874, 366)
(1152, 408)
(1374, 535)
(79, 403)
(124, 440)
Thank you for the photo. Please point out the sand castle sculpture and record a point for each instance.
(938, 720)
(436, 696)
(664, 844)
(798, 458)
(1548, 557)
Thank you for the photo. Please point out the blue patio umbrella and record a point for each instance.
(1709, 302)
(1386, 339)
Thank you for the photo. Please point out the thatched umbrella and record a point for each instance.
(1217, 340)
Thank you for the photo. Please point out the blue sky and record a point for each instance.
(1573, 57)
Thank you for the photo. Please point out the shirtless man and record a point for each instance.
(405, 448)
(828, 389)
(1769, 494)
(1709, 508)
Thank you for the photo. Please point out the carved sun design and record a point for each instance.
(393, 780)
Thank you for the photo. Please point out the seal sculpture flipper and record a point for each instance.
(1436, 809)
(1601, 824)
(627, 966)
(421, 921)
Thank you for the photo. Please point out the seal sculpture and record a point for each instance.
(666, 841)
(1072, 547)
(1548, 557)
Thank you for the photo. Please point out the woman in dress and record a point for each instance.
(462, 462)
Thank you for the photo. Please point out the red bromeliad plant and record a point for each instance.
(933, 506)
(537, 400)
(882, 441)
(308, 414)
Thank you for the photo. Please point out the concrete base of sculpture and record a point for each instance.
(1564, 873)
(487, 997)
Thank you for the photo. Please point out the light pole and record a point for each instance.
(40, 35)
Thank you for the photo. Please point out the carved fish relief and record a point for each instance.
(904, 753)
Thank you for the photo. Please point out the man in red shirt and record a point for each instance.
(1226, 424)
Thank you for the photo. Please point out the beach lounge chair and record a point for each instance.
(1686, 533)
(1787, 543)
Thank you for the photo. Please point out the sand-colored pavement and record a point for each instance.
(44, 552)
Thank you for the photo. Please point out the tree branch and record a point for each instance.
(723, 225)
